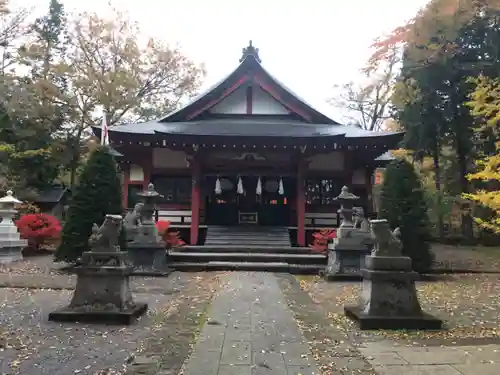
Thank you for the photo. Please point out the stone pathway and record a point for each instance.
(388, 359)
(250, 331)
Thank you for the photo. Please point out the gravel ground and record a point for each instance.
(36, 346)
(469, 305)
(31, 345)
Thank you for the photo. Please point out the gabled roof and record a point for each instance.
(249, 70)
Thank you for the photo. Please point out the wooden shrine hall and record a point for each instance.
(249, 152)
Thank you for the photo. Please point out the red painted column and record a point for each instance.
(126, 181)
(147, 176)
(301, 205)
(195, 201)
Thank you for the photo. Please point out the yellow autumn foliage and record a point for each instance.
(485, 105)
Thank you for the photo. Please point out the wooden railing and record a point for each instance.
(176, 217)
(322, 219)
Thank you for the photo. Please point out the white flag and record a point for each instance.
(104, 131)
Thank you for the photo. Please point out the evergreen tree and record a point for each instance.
(97, 194)
(403, 204)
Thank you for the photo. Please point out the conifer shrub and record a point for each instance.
(98, 193)
(403, 204)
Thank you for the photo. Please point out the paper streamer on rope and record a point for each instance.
(240, 186)
(258, 190)
(218, 187)
(281, 189)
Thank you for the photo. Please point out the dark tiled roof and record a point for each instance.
(245, 128)
(51, 195)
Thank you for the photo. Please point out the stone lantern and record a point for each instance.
(347, 201)
(11, 244)
(347, 252)
(147, 251)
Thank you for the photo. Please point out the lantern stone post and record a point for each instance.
(346, 253)
(147, 251)
(11, 244)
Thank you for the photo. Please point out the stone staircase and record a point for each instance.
(249, 248)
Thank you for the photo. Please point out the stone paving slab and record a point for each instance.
(250, 331)
(390, 359)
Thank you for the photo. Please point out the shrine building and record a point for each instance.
(249, 152)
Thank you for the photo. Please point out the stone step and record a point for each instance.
(248, 249)
(267, 258)
(242, 228)
(249, 266)
(248, 234)
(252, 242)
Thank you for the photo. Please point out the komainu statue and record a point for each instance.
(360, 220)
(387, 243)
(105, 238)
(132, 221)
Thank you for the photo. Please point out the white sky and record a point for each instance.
(309, 45)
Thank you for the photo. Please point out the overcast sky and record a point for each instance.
(309, 45)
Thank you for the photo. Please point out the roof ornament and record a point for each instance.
(250, 51)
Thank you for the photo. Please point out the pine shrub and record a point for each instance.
(403, 204)
(97, 194)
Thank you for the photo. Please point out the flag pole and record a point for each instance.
(104, 130)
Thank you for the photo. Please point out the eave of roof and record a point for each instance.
(244, 128)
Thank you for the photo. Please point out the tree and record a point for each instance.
(485, 105)
(32, 113)
(108, 68)
(369, 102)
(403, 204)
(445, 44)
(97, 194)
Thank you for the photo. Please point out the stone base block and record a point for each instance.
(145, 271)
(125, 317)
(148, 259)
(9, 255)
(423, 321)
(345, 263)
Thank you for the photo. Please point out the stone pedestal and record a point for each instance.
(102, 293)
(148, 259)
(11, 244)
(389, 298)
(345, 260)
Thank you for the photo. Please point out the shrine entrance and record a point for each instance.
(249, 200)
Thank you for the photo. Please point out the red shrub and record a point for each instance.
(321, 239)
(39, 229)
(171, 239)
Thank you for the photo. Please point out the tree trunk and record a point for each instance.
(437, 182)
(467, 229)
(75, 157)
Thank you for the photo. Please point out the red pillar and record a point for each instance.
(147, 176)
(301, 205)
(125, 183)
(195, 201)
